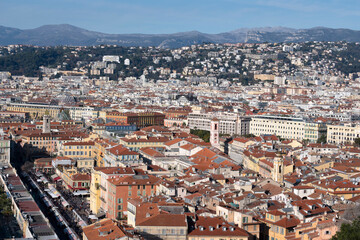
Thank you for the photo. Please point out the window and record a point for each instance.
(119, 207)
(327, 232)
(245, 220)
(120, 200)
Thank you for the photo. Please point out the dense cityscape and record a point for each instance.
(211, 141)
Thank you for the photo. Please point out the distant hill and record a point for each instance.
(65, 34)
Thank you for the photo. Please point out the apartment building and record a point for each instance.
(120, 156)
(230, 123)
(74, 180)
(35, 110)
(287, 127)
(135, 143)
(128, 187)
(39, 110)
(99, 185)
(142, 119)
(341, 134)
(78, 149)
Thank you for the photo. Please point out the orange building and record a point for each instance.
(141, 120)
(176, 113)
(128, 187)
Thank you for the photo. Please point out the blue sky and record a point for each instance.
(169, 16)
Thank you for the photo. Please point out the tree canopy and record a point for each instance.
(348, 231)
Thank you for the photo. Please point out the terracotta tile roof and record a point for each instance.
(290, 222)
(174, 141)
(241, 139)
(149, 139)
(216, 226)
(134, 180)
(165, 220)
(115, 170)
(120, 150)
(151, 152)
(79, 144)
(103, 229)
(188, 146)
(81, 177)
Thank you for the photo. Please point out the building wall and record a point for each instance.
(289, 128)
(78, 151)
(337, 134)
(229, 123)
(4, 151)
(95, 191)
(286, 127)
(118, 196)
(206, 237)
(39, 110)
(166, 233)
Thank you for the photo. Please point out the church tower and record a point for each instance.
(278, 170)
(214, 133)
(46, 124)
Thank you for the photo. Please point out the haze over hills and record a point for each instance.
(65, 34)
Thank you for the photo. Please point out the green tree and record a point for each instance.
(5, 204)
(203, 134)
(357, 142)
(348, 231)
(322, 139)
(249, 135)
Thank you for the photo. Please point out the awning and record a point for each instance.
(100, 215)
(81, 193)
(57, 179)
(54, 176)
(82, 223)
(93, 217)
(65, 203)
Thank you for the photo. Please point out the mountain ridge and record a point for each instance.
(66, 34)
